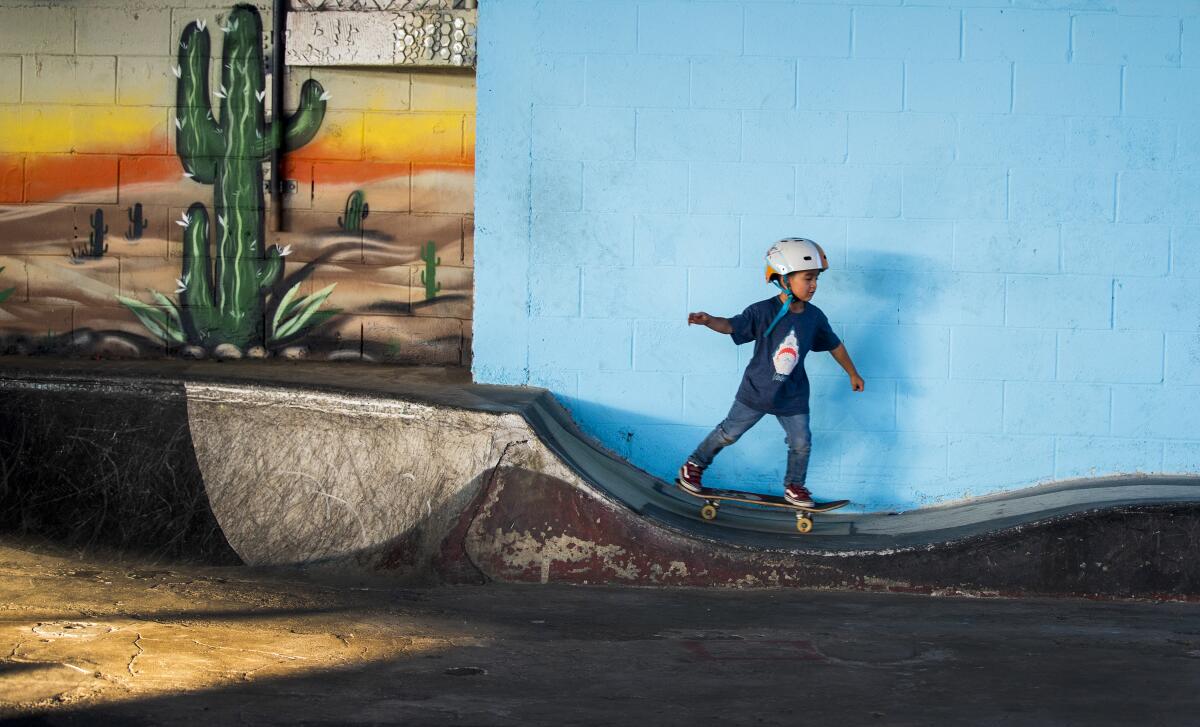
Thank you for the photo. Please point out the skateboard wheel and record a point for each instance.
(804, 524)
(709, 512)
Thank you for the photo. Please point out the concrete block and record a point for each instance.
(393, 137)
(726, 292)
(1019, 140)
(1116, 249)
(906, 138)
(443, 91)
(373, 89)
(153, 240)
(1157, 7)
(581, 239)
(366, 289)
(631, 397)
(10, 79)
(788, 136)
(909, 352)
(912, 33)
(850, 85)
(1002, 353)
(962, 407)
(675, 346)
(120, 130)
(41, 30)
(1128, 357)
(858, 296)
(1006, 247)
(744, 83)
(12, 178)
(686, 240)
(708, 397)
(1059, 301)
(1156, 304)
(1181, 457)
(554, 291)
(581, 27)
(834, 407)
(899, 245)
(797, 30)
(1189, 42)
(638, 81)
(388, 186)
(1185, 251)
(86, 282)
(1162, 93)
(1182, 360)
(759, 232)
(124, 31)
(75, 80)
(983, 463)
(753, 188)
(439, 188)
(1170, 412)
(635, 186)
(1066, 89)
(1016, 35)
(14, 276)
(690, 29)
(847, 190)
(580, 344)
(1055, 408)
(427, 341)
(582, 133)
(37, 229)
(556, 186)
(643, 293)
(1120, 143)
(36, 129)
(85, 178)
(947, 299)
(1100, 456)
(886, 464)
(1061, 195)
(1149, 197)
(145, 81)
(557, 80)
(959, 87)
(1187, 147)
(1126, 40)
(955, 192)
(687, 135)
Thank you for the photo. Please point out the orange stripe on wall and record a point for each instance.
(51, 176)
(12, 178)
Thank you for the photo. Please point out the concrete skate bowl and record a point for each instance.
(418, 475)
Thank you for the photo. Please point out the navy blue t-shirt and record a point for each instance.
(775, 381)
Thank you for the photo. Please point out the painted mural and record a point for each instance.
(134, 220)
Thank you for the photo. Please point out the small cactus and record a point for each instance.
(357, 210)
(429, 274)
(7, 291)
(96, 245)
(137, 223)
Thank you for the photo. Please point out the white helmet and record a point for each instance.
(794, 253)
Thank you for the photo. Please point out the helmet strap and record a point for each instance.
(782, 311)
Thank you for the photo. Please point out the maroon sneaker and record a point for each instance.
(689, 476)
(798, 495)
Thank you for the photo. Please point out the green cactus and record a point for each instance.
(357, 210)
(137, 223)
(96, 244)
(225, 301)
(428, 275)
(4, 294)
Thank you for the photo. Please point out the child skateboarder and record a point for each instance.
(784, 329)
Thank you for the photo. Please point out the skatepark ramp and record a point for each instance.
(420, 475)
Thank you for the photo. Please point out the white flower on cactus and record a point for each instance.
(261, 94)
(181, 284)
(221, 220)
(226, 28)
(221, 93)
(177, 71)
(285, 251)
(187, 174)
(184, 220)
(325, 95)
(201, 23)
(179, 124)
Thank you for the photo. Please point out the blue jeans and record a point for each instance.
(739, 420)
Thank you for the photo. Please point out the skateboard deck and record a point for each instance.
(713, 498)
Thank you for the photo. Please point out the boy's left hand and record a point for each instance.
(857, 383)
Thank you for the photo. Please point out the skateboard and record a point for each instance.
(713, 498)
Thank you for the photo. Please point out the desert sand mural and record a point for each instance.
(134, 221)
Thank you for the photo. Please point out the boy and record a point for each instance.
(784, 329)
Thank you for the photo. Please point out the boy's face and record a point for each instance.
(804, 284)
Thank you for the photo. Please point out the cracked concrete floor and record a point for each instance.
(95, 639)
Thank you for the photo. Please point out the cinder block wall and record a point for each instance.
(88, 123)
(1007, 191)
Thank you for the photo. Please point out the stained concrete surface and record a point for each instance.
(103, 639)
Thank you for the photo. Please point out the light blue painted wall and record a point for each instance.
(1008, 192)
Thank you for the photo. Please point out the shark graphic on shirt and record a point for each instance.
(786, 356)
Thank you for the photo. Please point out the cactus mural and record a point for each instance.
(96, 244)
(223, 298)
(4, 294)
(137, 223)
(357, 210)
(429, 274)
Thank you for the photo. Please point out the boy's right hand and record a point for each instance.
(699, 319)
